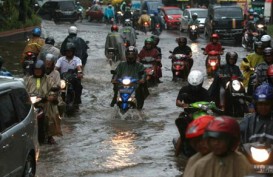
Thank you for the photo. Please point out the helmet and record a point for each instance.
(194, 16)
(36, 31)
(148, 41)
(214, 36)
(266, 40)
(156, 39)
(195, 78)
(144, 11)
(50, 40)
(155, 13)
(131, 54)
(197, 127)
(270, 71)
(181, 40)
(258, 45)
(255, 14)
(70, 46)
(127, 22)
(251, 11)
(233, 55)
(114, 28)
(50, 57)
(263, 92)
(39, 65)
(224, 127)
(72, 30)
(268, 51)
(261, 16)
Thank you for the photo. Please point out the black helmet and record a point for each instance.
(194, 16)
(50, 40)
(70, 46)
(181, 40)
(131, 54)
(268, 51)
(39, 65)
(156, 39)
(233, 55)
(258, 45)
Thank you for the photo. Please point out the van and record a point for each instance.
(19, 147)
(151, 6)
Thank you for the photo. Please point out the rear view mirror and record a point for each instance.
(113, 72)
(245, 60)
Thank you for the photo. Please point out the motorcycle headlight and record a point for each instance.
(259, 155)
(33, 99)
(236, 85)
(63, 84)
(193, 27)
(126, 81)
(260, 26)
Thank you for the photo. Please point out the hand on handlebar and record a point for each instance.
(141, 81)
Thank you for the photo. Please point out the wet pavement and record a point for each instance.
(100, 142)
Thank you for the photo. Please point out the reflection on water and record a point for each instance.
(194, 47)
(122, 147)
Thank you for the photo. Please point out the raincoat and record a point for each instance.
(115, 40)
(192, 160)
(144, 18)
(109, 13)
(128, 33)
(253, 60)
(34, 45)
(48, 48)
(235, 164)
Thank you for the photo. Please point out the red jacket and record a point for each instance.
(148, 53)
(211, 46)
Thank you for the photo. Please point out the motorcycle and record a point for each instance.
(40, 115)
(67, 90)
(259, 154)
(193, 32)
(157, 30)
(150, 70)
(180, 66)
(28, 63)
(248, 40)
(213, 61)
(112, 53)
(146, 27)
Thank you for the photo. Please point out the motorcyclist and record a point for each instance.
(144, 18)
(188, 94)
(129, 33)
(266, 40)
(71, 62)
(261, 69)
(116, 41)
(127, 14)
(3, 72)
(49, 48)
(136, 15)
(182, 48)
(109, 13)
(148, 50)
(194, 134)
(80, 44)
(51, 123)
(270, 74)
(260, 20)
(156, 40)
(155, 19)
(35, 44)
(134, 69)
(253, 59)
(222, 76)
(193, 21)
(260, 121)
(223, 135)
(214, 45)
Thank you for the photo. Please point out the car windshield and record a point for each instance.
(228, 12)
(66, 5)
(201, 13)
(173, 12)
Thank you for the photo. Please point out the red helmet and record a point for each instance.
(270, 71)
(114, 28)
(224, 127)
(197, 127)
(215, 36)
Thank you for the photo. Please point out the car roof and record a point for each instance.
(170, 7)
(10, 82)
(218, 6)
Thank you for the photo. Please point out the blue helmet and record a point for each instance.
(263, 93)
(36, 31)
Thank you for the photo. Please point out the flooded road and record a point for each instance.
(99, 141)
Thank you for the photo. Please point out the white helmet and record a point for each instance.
(195, 78)
(265, 38)
(72, 30)
(50, 57)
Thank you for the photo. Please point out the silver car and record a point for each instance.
(187, 16)
(18, 130)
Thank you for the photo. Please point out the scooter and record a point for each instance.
(213, 62)
(146, 27)
(180, 66)
(28, 63)
(248, 40)
(157, 30)
(112, 53)
(193, 32)
(150, 70)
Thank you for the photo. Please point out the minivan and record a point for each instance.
(19, 147)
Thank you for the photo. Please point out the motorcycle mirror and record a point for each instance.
(170, 51)
(223, 49)
(137, 33)
(87, 42)
(245, 60)
(113, 72)
(202, 48)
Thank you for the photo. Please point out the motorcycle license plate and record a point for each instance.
(148, 65)
(178, 63)
(125, 91)
(263, 168)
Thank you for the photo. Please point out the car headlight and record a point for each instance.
(63, 84)
(236, 85)
(170, 17)
(259, 155)
(126, 81)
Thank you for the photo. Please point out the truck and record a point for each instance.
(151, 6)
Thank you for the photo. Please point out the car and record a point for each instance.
(19, 146)
(95, 12)
(59, 10)
(225, 20)
(172, 16)
(187, 16)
